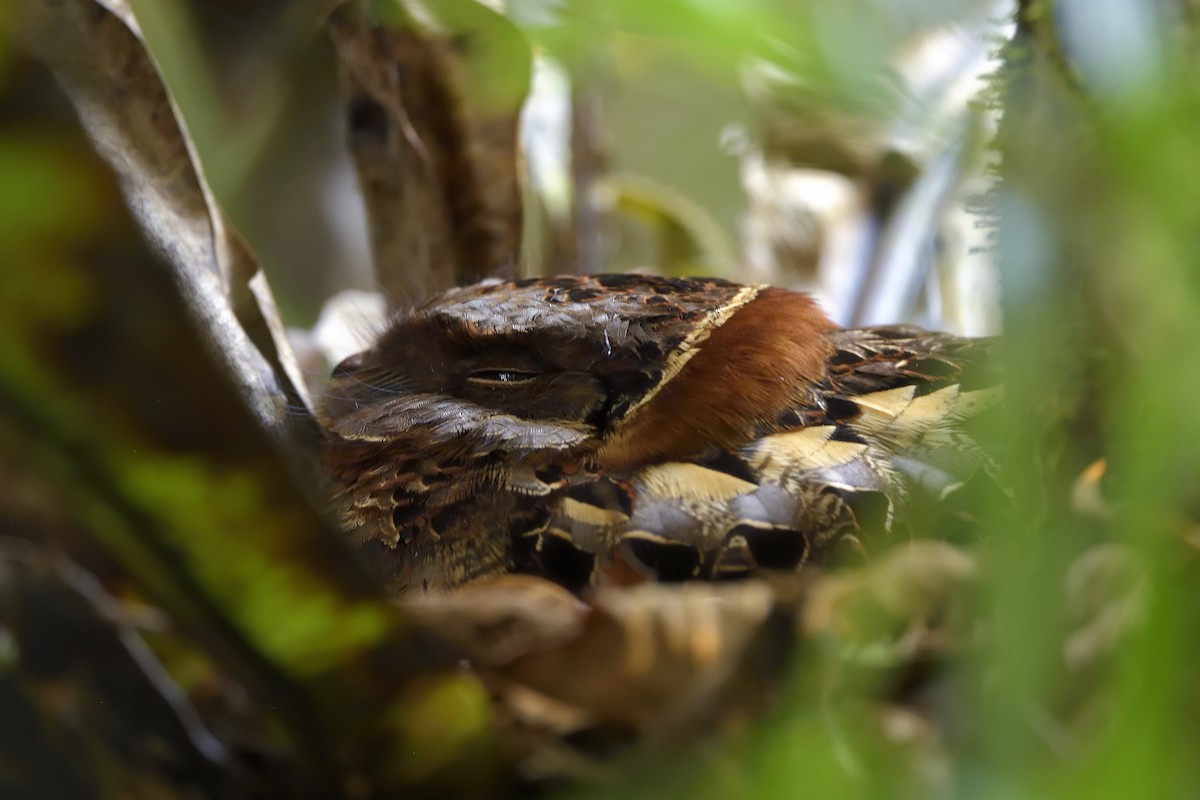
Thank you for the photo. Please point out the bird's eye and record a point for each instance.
(350, 365)
(500, 377)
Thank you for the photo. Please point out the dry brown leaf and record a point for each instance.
(433, 107)
(96, 51)
(631, 665)
(663, 662)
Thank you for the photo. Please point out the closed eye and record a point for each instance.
(501, 377)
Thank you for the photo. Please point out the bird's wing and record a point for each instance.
(883, 443)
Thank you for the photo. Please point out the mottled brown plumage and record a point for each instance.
(615, 428)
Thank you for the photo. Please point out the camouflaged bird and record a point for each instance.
(617, 428)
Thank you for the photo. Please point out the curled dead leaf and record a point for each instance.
(97, 54)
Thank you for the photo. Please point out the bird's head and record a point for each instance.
(622, 369)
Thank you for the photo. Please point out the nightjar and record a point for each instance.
(619, 428)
